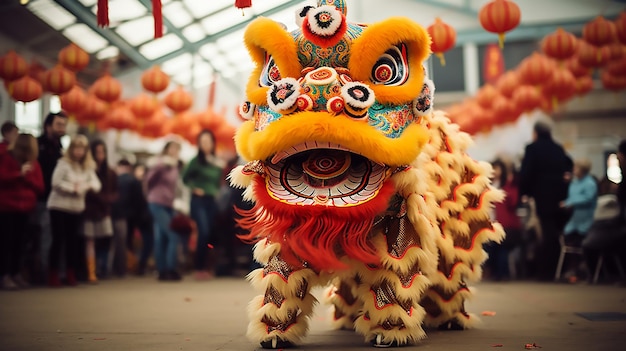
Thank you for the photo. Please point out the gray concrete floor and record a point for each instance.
(143, 314)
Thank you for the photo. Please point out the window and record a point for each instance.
(28, 117)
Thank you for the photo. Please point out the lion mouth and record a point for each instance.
(324, 174)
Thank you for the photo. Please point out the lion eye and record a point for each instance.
(392, 67)
(270, 73)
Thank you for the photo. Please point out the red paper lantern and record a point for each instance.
(576, 68)
(25, 89)
(613, 83)
(592, 56)
(73, 58)
(536, 69)
(95, 109)
(499, 16)
(153, 126)
(120, 118)
(486, 95)
(143, 106)
(179, 100)
(527, 98)
(107, 88)
(561, 86)
(37, 71)
(224, 136)
(617, 67)
(210, 120)
(559, 45)
(443, 38)
(507, 84)
(599, 31)
(182, 123)
(620, 27)
(155, 80)
(504, 110)
(12, 66)
(59, 80)
(74, 101)
(584, 85)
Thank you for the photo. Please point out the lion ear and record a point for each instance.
(301, 14)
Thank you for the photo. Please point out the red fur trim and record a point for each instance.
(324, 41)
(318, 235)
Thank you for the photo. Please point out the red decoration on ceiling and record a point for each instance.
(158, 18)
(620, 27)
(103, 13)
(179, 100)
(143, 106)
(536, 69)
(107, 88)
(443, 38)
(527, 98)
(74, 101)
(59, 80)
(499, 16)
(242, 4)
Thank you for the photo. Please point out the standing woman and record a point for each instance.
(73, 176)
(161, 183)
(97, 225)
(21, 182)
(203, 176)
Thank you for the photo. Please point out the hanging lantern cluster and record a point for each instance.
(19, 85)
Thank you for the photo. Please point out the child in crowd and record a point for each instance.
(73, 176)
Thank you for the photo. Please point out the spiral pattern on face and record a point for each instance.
(326, 166)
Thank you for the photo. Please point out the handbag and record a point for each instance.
(182, 224)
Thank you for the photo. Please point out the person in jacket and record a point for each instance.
(50, 151)
(161, 183)
(203, 176)
(582, 199)
(9, 133)
(73, 177)
(98, 227)
(506, 213)
(20, 184)
(544, 175)
(131, 208)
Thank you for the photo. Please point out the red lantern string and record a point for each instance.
(242, 4)
(103, 13)
(158, 18)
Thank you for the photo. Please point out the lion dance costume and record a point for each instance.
(356, 182)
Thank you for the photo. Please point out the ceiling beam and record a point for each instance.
(212, 38)
(87, 17)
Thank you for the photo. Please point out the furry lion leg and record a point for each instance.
(279, 317)
(342, 295)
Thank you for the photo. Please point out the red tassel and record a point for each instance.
(212, 91)
(103, 13)
(242, 4)
(158, 18)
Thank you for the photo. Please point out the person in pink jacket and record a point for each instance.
(20, 184)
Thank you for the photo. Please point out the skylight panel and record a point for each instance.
(51, 13)
(202, 8)
(107, 53)
(85, 37)
(222, 20)
(161, 46)
(177, 64)
(262, 6)
(194, 32)
(137, 31)
(177, 14)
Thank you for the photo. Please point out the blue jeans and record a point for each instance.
(166, 241)
(203, 210)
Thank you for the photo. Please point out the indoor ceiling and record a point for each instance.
(204, 37)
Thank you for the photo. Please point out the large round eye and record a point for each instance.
(270, 73)
(392, 68)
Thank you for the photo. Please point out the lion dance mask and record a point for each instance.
(356, 182)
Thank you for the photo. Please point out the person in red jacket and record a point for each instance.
(506, 213)
(21, 182)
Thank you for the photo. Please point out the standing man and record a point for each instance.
(9, 134)
(50, 151)
(544, 175)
